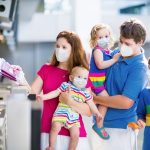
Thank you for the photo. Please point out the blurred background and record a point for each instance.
(28, 29)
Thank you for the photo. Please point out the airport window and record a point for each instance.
(54, 6)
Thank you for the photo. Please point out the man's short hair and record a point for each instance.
(133, 29)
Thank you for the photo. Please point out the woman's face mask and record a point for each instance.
(126, 51)
(62, 55)
(104, 42)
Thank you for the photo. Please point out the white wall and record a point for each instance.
(87, 13)
(43, 28)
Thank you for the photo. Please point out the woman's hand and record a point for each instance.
(20, 77)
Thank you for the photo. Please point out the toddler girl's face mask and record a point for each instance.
(104, 42)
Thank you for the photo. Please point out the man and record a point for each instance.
(125, 81)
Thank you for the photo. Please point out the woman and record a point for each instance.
(68, 54)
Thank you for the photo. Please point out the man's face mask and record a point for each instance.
(126, 51)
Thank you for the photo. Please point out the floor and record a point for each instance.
(88, 125)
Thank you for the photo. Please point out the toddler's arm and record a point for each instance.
(50, 95)
(141, 123)
(99, 60)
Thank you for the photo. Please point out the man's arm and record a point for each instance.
(117, 101)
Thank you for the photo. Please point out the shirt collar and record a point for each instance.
(134, 58)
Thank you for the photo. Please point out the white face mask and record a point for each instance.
(103, 42)
(79, 82)
(62, 55)
(126, 51)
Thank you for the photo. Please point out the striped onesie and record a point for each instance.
(66, 114)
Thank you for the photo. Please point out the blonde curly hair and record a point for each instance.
(94, 31)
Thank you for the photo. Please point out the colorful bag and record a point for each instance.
(12, 72)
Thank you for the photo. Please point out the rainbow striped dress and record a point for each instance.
(97, 76)
(65, 114)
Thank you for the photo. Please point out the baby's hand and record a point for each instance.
(116, 56)
(39, 97)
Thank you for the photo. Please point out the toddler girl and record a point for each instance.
(102, 58)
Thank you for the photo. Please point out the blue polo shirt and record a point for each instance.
(127, 77)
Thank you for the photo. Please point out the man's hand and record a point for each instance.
(65, 97)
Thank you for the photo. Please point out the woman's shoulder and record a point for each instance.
(47, 66)
(50, 68)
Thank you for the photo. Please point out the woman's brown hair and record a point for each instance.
(77, 56)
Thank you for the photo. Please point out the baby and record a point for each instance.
(65, 115)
